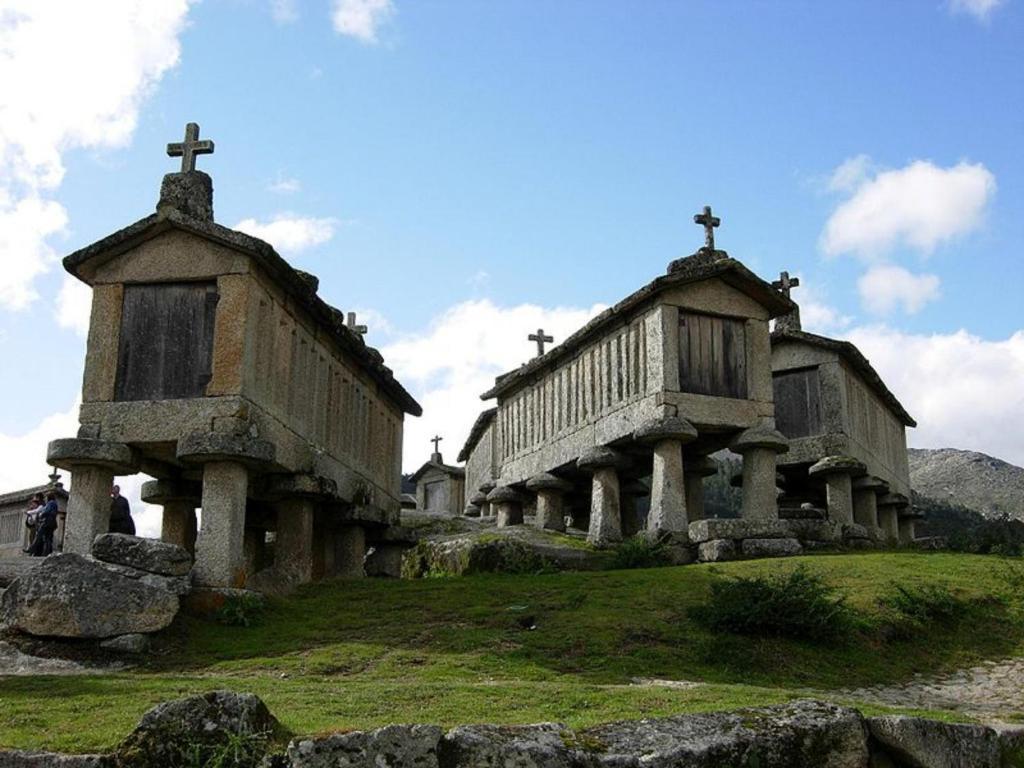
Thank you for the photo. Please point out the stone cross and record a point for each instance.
(435, 440)
(540, 338)
(709, 223)
(190, 147)
(784, 284)
(351, 324)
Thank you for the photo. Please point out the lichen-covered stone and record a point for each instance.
(71, 596)
(144, 554)
(134, 643)
(770, 547)
(737, 528)
(197, 726)
(69, 452)
(524, 746)
(394, 746)
(17, 758)
(716, 550)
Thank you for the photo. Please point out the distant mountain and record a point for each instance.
(981, 483)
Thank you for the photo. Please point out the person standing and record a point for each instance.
(31, 516)
(120, 513)
(46, 524)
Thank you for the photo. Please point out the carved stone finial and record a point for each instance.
(709, 223)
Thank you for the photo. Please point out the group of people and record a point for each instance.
(41, 519)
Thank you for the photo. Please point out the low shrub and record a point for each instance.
(910, 608)
(639, 552)
(799, 605)
(240, 611)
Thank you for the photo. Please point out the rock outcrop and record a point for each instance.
(148, 555)
(982, 483)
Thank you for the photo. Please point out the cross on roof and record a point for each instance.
(709, 223)
(785, 283)
(350, 323)
(540, 338)
(190, 147)
(435, 440)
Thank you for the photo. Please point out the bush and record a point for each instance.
(240, 611)
(799, 605)
(639, 552)
(912, 608)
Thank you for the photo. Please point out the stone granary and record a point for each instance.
(846, 431)
(634, 402)
(215, 367)
(440, 487)
(480, 456)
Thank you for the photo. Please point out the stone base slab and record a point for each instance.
(770, 547)
(737, 528)
(716, 551)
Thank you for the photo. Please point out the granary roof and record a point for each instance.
(299, 285)
(448, 469)
(702, 265)
(479, 427)
(13, 497)
(849, 352)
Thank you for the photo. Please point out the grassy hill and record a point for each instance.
(517, 649)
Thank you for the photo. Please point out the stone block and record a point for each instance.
(826, 531)
(716, 551)
(854, 531)
(17, 758)
(530, 746)
(71, 596)
(142, 554)
(920, 742)
(393, 745)
(134, 643)
(770, 547)
(737, 528)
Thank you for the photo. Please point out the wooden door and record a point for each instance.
(166, 345)
(798, 411)
(712, 355)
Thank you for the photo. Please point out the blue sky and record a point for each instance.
(495, 162)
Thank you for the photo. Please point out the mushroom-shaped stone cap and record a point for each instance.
(760, 437)
(545, 481)
(599, 457)
(164, 491)
(201, 447)
(478, 499)
(871, 483)
(487, 487)
(665, 428)
(70, 452)
(705, 466)
(837, 465)
(893, 500)
(503, 494)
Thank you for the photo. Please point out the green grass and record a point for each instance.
(359, 654)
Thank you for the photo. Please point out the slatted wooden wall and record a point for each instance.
(712, 355)
(166, 345)
(797, 394)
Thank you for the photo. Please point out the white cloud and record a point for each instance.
(289, 233)
(979, 9)
(964, 391)
(74, 75)
(817, 315)
(448, 366)
(284, 186)
(885, 287)
(74, 305)
(361, 19)
(919, 206)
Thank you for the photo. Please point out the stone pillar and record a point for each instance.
(837, 471)
(93, 465)
(88, 508)
(889, 507)
(220, 554)
(506, 506)
(550, 491)
(696, 471)
(907, 534)
(865, 503)
(605, 512)
(759, 447)
(179, 500)
(487, 509)
(350, 551)
(666, 436)
(293, 549)
(629, 494)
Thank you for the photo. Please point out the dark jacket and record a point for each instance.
(121, 516)
(47, 517)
